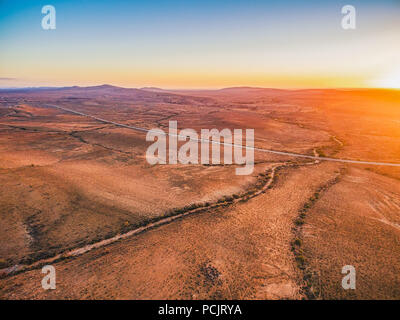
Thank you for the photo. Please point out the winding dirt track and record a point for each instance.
(281, 153)
(79, 251)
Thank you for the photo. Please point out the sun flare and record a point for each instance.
(391, 80)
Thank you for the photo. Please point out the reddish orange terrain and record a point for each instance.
(78, 194)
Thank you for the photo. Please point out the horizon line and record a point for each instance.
(197, 88)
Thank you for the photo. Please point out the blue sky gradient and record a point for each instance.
(198, 43)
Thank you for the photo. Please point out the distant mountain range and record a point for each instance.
(114, 90)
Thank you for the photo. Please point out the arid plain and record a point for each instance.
(68, 183)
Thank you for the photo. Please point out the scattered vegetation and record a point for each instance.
(320, 152)
(309, 279)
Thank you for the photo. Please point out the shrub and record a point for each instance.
(3, 263)
(320, 153)
(300, 260)
(297, 242)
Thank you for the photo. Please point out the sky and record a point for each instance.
(200, 44)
